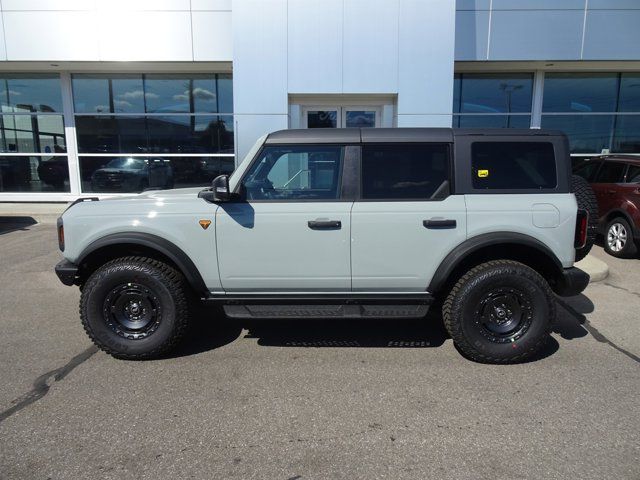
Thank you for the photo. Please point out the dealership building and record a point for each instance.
(108, 97)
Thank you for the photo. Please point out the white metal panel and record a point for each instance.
(143, 5)
(260, 56)
(212, 36)
(424, 120)
(52, 36)
(211, 5)
(315, 46)
(3, 49)
(370, 61)
(248, 128)
(426, 53)
(147, 36)
(22, 5)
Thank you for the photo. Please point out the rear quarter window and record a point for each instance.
(513, 165)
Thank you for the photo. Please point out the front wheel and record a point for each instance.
(499, 312)
(135, 308)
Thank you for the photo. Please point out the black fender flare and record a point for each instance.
(474, 244)
(154, 242)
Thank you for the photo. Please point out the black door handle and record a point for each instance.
(437, 223)
(325, 224)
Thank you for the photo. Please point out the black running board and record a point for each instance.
(418, 298)
(302, 311)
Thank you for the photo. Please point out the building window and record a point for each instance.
(32, 140)
(493, 100)
(152, 130)
(598, 111)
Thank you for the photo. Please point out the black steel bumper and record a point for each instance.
(67, 272)
(571, 282)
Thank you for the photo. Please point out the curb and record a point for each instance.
(596, 268)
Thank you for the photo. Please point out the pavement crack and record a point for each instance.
(43, 383)
(631, 292)
(595, 333)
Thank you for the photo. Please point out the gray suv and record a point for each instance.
(344, 223)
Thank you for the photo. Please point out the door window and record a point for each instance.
(405, 171)
(587, 170)
(322, 119)
(341, 117)
(633, 175)
(295, 173)
(610, 172)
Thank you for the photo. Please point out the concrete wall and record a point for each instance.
(402, 48)
(547, 30)
(116, 30)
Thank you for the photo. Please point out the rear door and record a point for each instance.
(405, 221)
(606, 185)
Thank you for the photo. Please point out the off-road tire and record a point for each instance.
(467, 331)
(587, 200)
(630, 249)
(170, 294)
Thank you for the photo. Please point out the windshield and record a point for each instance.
(233, 179)
(127, 163)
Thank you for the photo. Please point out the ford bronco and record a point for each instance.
(346, 223)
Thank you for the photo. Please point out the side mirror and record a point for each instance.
(220, 187)
(219, 191)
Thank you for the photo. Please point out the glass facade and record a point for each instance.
(492, 100)
(32, 137)
(152, 131)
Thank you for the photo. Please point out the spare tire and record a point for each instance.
(586, 201)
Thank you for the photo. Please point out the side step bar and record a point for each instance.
(418, 298)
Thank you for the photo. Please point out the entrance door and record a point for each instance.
(359, 116)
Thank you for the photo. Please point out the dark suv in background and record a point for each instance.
(615, 179)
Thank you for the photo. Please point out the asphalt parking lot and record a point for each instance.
(316, 399)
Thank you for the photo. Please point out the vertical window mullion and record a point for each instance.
(70, 134)
(538, 94)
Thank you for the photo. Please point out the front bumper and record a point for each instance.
(67, 272)
(572, 281)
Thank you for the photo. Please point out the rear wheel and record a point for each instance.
(618, 239)
(588, 201)
(499, 312)
(135, 308)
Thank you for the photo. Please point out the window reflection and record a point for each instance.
(153, 93)
(30, 93)
(155, 134)
(580, 92)
(34, 174)
(32, 134)
(322, 119)
(130, 174)
(587, 133)
(493, 93)
(492, 121)
(361, 118)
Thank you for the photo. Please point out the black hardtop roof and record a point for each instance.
(384, 135)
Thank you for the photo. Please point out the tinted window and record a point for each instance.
(610, 172)
(295, 173)
(406, 171)
(633, 175)
(580, 92)
(30, 93)
(587, 170)
(513, 165)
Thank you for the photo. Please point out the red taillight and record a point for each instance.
(60, 235)
(582, 224)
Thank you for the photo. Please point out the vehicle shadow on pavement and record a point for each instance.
(11, 224)
(571, 316)
(346, 332)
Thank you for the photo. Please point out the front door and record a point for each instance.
(362, 116)
(290, 233)
(405, 222)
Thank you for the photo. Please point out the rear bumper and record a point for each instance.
(572, 281)
(67, 272)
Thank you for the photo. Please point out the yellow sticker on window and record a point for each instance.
(483, 173)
